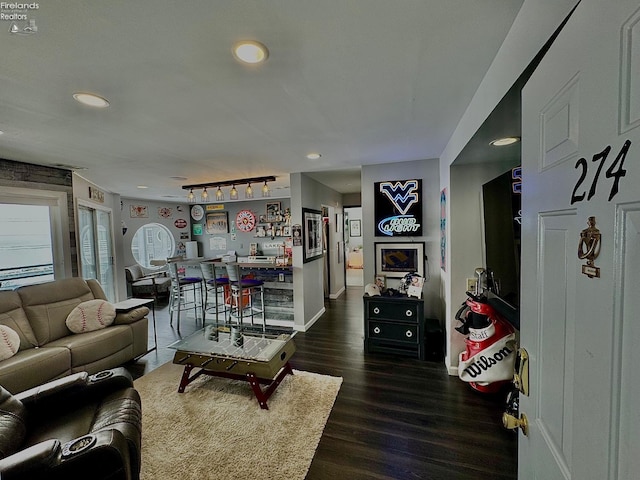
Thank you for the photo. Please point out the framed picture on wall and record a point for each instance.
(395, 260)
(311, 234)
(273, 210)
(217, 223)
(354, 228)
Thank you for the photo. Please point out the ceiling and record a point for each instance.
(359, 81)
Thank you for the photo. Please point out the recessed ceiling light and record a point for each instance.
(91, 100)
(1, 132)
(313, 156)
(249, 51)
(501, 142)
(142, 186)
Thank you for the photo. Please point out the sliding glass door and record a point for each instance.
(96, 247)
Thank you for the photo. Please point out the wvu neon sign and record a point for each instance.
(398, 208)
(401, 194)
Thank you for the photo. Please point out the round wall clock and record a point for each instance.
(197, 212)
(245, 220)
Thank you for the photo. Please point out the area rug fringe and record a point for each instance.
(216, 429)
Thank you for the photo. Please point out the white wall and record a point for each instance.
(308, 277)
(427, 170)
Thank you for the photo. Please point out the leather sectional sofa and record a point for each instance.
(48, 349)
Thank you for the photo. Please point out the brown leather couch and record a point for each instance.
(79, 426)
(48, 349)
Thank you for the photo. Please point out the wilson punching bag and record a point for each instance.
(489, 358)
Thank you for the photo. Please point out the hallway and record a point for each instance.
(395, 417)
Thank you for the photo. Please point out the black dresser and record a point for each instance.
(394, 325)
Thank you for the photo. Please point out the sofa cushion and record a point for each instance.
(9, 342)
(13, 316)
(91, 315)
(48, 305)
(90, 347)
(34, 367)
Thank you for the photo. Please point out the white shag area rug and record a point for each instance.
(217, 430)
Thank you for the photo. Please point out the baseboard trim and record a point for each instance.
(334, 296)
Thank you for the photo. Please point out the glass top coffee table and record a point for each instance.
(258, 357)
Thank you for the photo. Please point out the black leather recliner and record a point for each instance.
(80, 426)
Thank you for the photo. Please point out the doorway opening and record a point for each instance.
(354, 256)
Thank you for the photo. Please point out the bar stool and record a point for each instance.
(215, 284)
(180, 287)
(242, 301)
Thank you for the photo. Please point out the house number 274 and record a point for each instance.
(615, 171)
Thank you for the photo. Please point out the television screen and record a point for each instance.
(502, 203)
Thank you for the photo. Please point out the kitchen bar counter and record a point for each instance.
(278, 289)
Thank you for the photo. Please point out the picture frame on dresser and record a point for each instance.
(395, 260)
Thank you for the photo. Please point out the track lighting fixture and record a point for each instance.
(233, 193)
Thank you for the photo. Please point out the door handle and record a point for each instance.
(511, 422)
(521, 375)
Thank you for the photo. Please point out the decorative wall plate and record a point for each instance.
(245, 221)
(197, 212)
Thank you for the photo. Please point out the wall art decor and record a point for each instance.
(273, 212)
(165, 212)
(395, 260)
(217, 223)
(138, 211)
(311, 234)
(355, 228)
(398, 208)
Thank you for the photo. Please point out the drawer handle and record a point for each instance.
(376, 330)
(409, 313)
(376, 310)
(409, 334)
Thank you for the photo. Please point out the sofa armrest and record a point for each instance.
(131, 316)
(78, 387)
(103, 455)
(31, 463)
(62, 386)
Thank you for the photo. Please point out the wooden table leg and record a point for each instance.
(263, 396)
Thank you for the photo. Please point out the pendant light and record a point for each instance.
(265, 190)
(191, 197)
(248, 193)
(233, 194)
(219, 194)
(205, 195)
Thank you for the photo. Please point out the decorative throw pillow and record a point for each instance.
(9, 342)
(91, 315)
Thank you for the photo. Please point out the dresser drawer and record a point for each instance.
(398, 332)
(402, 311)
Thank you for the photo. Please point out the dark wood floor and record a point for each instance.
(395, 417)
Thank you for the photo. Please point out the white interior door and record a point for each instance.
(581, 159)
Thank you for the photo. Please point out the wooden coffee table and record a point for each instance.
(260, 358)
